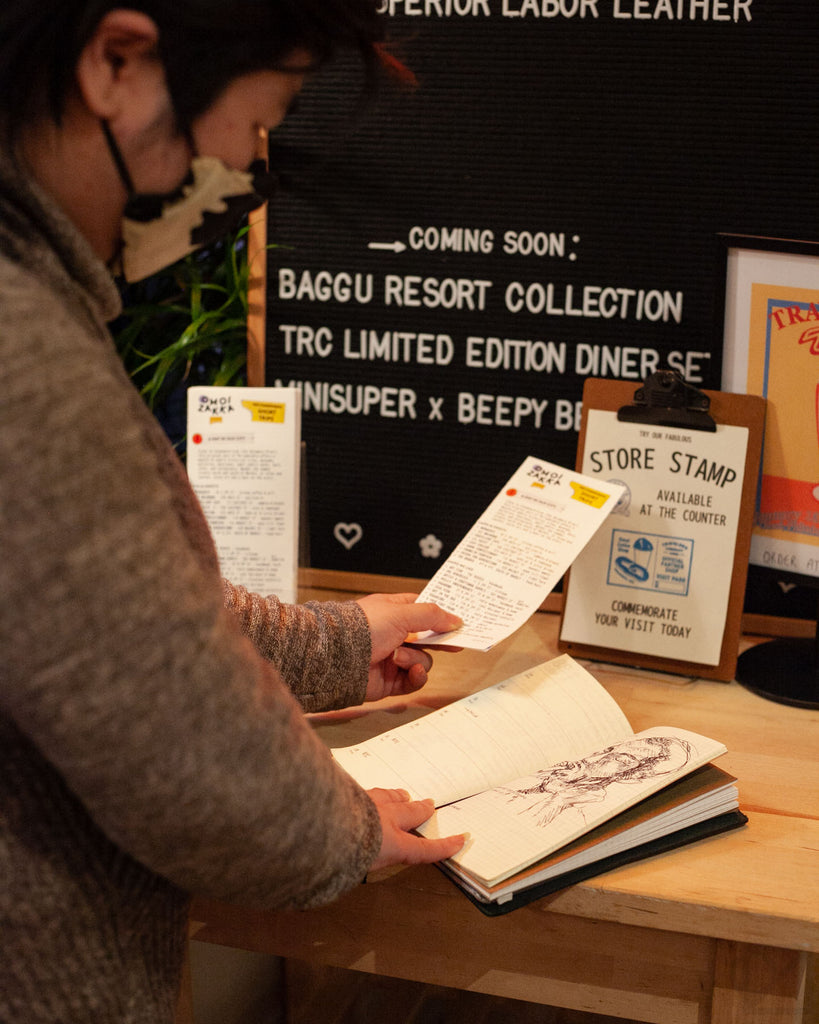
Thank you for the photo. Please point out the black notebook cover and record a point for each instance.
(672, 841)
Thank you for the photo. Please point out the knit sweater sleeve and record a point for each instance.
(122, 663)
(322, 649)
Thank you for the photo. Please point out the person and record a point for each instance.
(152, 731)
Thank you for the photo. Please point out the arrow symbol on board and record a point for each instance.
(391, 246)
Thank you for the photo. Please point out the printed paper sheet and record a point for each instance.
(656, 580)
(243, 462)
(517, 551)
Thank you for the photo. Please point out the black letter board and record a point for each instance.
(542, 208)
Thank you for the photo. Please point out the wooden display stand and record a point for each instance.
(739, 410)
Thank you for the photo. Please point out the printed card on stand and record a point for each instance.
(243, 460)
(657, 579)
(661, 586)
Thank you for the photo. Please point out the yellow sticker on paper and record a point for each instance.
(265, 412)
(589, 496)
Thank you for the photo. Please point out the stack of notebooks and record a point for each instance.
(546, 776)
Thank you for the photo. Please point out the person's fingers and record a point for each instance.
(410, 657)
(428, 851)
(385, 796)
(423, 616)
(411, 814)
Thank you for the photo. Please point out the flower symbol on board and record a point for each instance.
(430, 546)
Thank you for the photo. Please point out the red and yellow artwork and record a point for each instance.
(783, 366)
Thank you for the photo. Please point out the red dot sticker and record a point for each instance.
(197, 439)
(511, 492)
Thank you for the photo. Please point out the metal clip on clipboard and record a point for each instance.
(665, 400)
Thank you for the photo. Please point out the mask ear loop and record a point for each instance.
(116, 156)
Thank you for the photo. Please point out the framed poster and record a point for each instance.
(770, 326)
(450, 265)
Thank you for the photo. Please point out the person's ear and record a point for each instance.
(118, 68)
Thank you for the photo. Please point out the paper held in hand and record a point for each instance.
(516, 552)
(545, 774)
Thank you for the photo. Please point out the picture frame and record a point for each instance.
(741, 261)
(766, 312)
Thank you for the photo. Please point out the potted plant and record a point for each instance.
(187, 325)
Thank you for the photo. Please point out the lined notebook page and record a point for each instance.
(550, 713)
(523, 821)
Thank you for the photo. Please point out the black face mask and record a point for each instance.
(159, 229)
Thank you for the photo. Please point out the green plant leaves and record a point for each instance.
(191, 315)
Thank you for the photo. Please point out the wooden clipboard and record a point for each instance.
(739, 410)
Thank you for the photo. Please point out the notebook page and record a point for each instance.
(547, 714)
(523, 821)
(705, 793)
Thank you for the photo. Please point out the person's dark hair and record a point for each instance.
(203, 44)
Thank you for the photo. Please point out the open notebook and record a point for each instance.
(550, 781)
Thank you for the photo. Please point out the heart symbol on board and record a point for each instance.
(348, 534)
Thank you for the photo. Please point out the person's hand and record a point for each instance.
(398, 816)
(397, 669)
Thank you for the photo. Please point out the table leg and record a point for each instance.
(758, 984)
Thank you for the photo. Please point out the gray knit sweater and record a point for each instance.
(148, 746)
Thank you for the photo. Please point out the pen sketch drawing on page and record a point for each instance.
(573, 784)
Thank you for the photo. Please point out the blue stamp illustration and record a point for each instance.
(650, 561)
